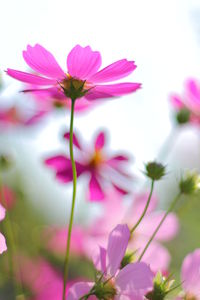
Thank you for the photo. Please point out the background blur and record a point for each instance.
(163, 38)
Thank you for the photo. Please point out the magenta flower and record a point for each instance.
(189, 102)
(9, 198)
(3, 246)
(101, 167)
(101, 227)
(133, 281)
(82, 76)
(190, 275)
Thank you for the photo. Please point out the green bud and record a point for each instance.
(104, 290)
(127, 259)
(155, 170)
(189, 183)
(73, 88)
(183, 116)
(5, 162)
(161, 288)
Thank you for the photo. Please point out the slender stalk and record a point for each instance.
(145, 209)
(159, 225)
(14, 267)
(66, 263)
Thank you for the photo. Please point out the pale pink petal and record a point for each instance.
(83, 62)
(116, 70)
(99, 260)
(42, 61)
(139, 203)
(112, 90)
(158, 262)
(193, 90)
(80, 289)
(135, 279)
(95, 190)
(3, 246)
(190, 274)
(117, 244)
(100, 141)
(167, 231)
(2, 212)
(119, 189)
(30, 78)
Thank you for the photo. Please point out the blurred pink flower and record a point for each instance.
(3, 246)
(9, 198)
(102, 167)
(190, 100)
(83, 71)
(190, 275)
(130, 215)
(131, 282)
(42, 281)
(13, 117)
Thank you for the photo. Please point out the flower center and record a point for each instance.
(73, 87)
(96, 160)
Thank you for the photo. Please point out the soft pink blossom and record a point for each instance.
(83, 65)
(130, 215)
(190, 275)
(131, 282)
(3, 246)
(190, 100)
(102, 168)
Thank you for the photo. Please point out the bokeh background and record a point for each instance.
(163, 38)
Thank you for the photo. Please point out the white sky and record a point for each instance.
(161, 36)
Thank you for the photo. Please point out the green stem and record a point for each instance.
(145, 209)
(14, 267)
(66, 263)
(173, 204)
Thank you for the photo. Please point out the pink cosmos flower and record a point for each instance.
(101, 167)
(102, 226)
(3, 246)
(133, 281)
(82, 76)
(189, 101)
(190, 275)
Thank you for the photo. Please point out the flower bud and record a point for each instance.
(189, 183)
(183, 116)
(155, 170)
(161, 288)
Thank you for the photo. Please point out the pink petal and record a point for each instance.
(83, 62)
(176, 102)
(112, 90)
(117, 244)
(65, 175)
(116, 70)
(158, 262)
(119, 158)
(42, 61)
(100, 141)
(193, 90)
(30, 78)
(80, 289)
(100, 260)
(190, 274)
(168, 230)
(135, 279)
(95, 190)
(58, 162)
(2, 212)
(3, 246)
(119, 189)
(75, 139)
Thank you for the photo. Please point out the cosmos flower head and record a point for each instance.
(103, 167)
(187, 106)
(133, 281)
(83, 79)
